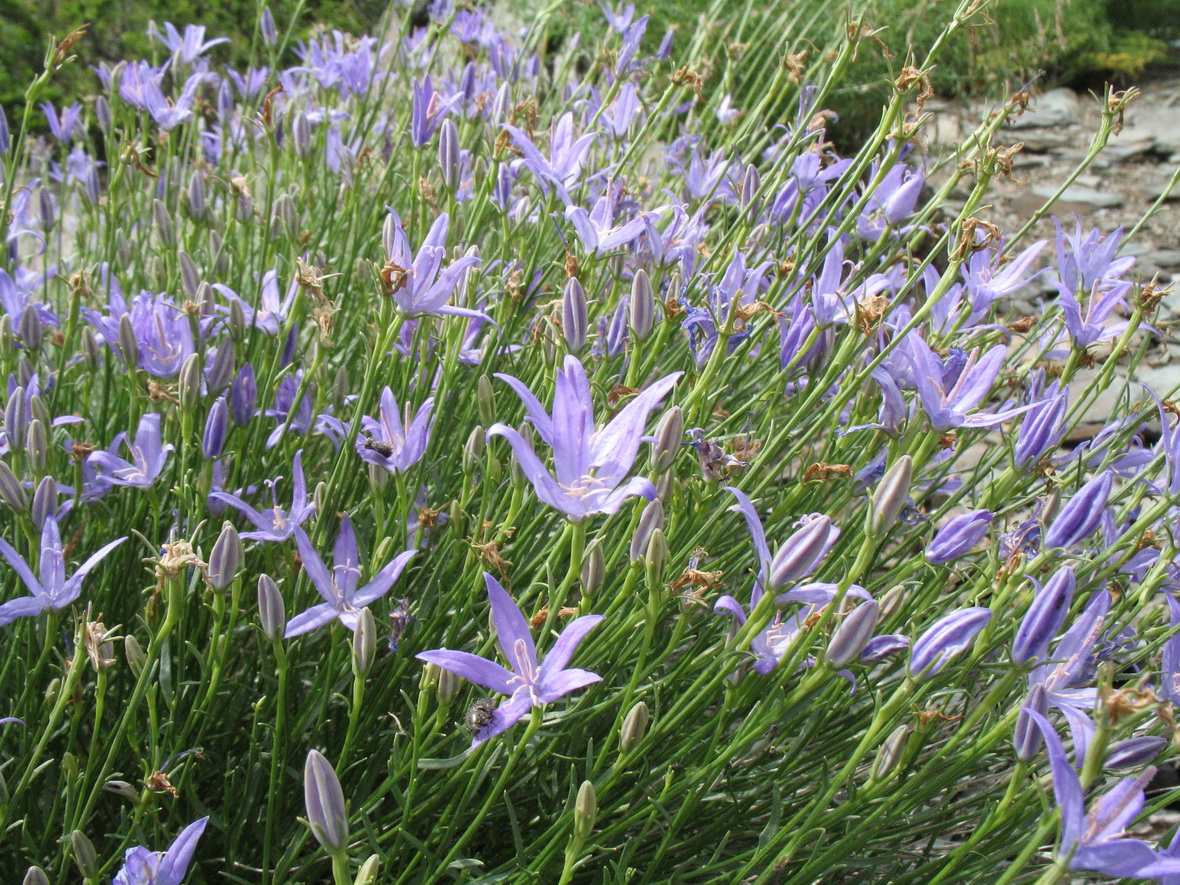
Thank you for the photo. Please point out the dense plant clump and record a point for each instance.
(438, 460)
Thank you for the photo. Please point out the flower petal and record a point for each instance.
(312, 619)
(471, 667)
(511, 627)
(561, 652)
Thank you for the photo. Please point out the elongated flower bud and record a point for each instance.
(35, 876)
(12, 492)
(573, 315)
(16, 418)
(800, 554)
(164, 225)
(301, 134)
(1027, 738)
(642, 306)
(634, 727)
(367, 874)
(892, 601)
(84, 854)
(221, 373)
(266, 26)
(32, 330)
(657, 556)
(1041, 430)
(946, 638)
(890, 752)
(243, 396)
(1134, 752)
(957, 536)
(485, 399)
(890, 496)
(44, 501)
(189, 387)
(287, 215)
(852, 635)
(651, 519)
(669, 438)
(271, 611)
(190, 277)
(36, 446)
(448, 153)
(1081, 515)
(133, 651)
(585, 810)
(593, 569)
(195, 193)
(1045, 616)
(216, 426)
(326, 814)
(226, 558)
(364, 642)
(751, 181)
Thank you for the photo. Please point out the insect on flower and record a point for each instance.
(480, 714)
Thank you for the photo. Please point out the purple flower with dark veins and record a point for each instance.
(54, 591)
(274, 524)
(529, 683)
(343, 600)
(590, 462)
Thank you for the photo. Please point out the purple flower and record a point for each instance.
(148, 456)
(1094, 840)
(1043, 426)
(529, 683)
(947, 637)
(342, 599)
(566, 154)
(427, 111)
(272, 312)
(1044, 617)
(414, 280)
(796, 558)
(275, 524)
(949, 397)
(53, 591)
(143, 867)
(957, 536)
(62, 124)
(1081, 515)
(590, 462)
(393, 444)
(189, 46)
(597, 229)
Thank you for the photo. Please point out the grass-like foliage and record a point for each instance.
(448, 460)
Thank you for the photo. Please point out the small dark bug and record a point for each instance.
(399, 619)
(480, 714)
(381, 448)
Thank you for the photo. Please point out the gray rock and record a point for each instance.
(1057, 107)
(1168, 259)
(1083, 195)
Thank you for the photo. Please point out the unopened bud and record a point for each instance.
(324, 800)
(91, 349)
(651, 519)
(473, 449)
(657, 556)
(128, 343)
(890, 752)
(447, 685)
(133, 651)
(84, 854)
(593, 569)
(573, 315)
(642, 306)
(485, 398)
(36, 446)
(164, 226)
(271, 612)
(270, 34)
(226, 558)
(32, 330)
(44, 501)
(12, 492)
(243, 396)
(1027, 737)
(102, 113)
(892, 602)
(367, 874)
(852, 635)
(448, 153)
(669, 438)
(286, 215)
(35, 876)
(216, 425)
(585, 810)
(634, 727)
(890, 496)
(364, 643)
(196, 194)
(190, 277)
(189, 385)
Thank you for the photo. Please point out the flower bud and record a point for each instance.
(367, 874)
(1045, 616)
(634, 727)
(852, 635)
(751, 182)
(485, 398)
(195, 193)
(593, 569)
(502, 104)
(35, 876)
(164, 225)
(16, 418)
(642, 306)
(669, 438)
(880, 647)
(271, 612)
(38, 410)
(91, 349)
(226, 558)
(585, 810)
(5, 136)
(128, 343)
(31, 328)
(364, 643)
(190, 277)
(448, 153)
(243, 396)
(1042, 427)
(133, 651)
(657, 556)
(270, 34)
(800, 554)
(892, 601)
(1027, 737)
(651, 519)
(957, 536)
(12, 492)
(573, 315)
(946, 638)
(447, 685)
(189, 385)
(324, 800)
(44, 501)
(216, 425)
(1081, 515)
(890, 496)
(1134, 752)
(286, 216)
(102, 114)
(890, 752)
(84, 854)
(36, 446)
(473, 449)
